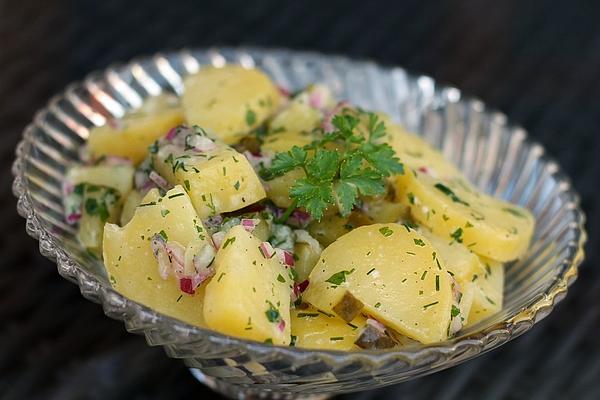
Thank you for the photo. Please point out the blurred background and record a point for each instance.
(537, 61)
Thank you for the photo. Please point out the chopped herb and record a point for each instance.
(515, 212)
(224, 171)
(293, 340)
(176, 195)
(272, 313)
(377, 305)
(488, 270)
(352, 325)
(411, 198)
(433, 255)
(152, 203)
(448, 192)
(477, 215)
(113, 280)
(438, 263)
(475, 276)
(339, 277)
(437, 283)
(468, 225)
(250, 117)
(386, 231)
(269, 341)
(236, 185)
(280, 278)
(426, 306)
(186, 183)
(303, 315)
(490, 300)
(419, 242)
(235, 160)
(445, 217)
(163, 234)
(228, 242)
(179, 298)
(221, 276)
(338, 177)
(424, 275)
(371, 270)
(411, 253)
(336, 338)
(164, 213)
(457, 235)
(455, 311)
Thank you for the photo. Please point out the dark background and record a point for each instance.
(538, 61)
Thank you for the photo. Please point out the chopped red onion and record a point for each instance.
(283, 91)
(200, 143)
(72, 218)
(204, 258)
(249, 224)
(176, 255)
(257, 161)
(285, 257)
(376, 324)
(217, 239)
(159, 181)
(266, 250)
(186, 285)
(281, 326)
(172, 133)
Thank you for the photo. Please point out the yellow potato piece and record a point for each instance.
(315, 330)
(279, 142)
(329, 229)
(118, 177)
(390, 268)
(133, 269)
(416, 153)
(247, 288)
(133, 134)
(488, 290)
(218, 181)
(298, 117)
(455, 210)
(133, 199)
(229, 102)
(461, 262)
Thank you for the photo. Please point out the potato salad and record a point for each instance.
(294, 219)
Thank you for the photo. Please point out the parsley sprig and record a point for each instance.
(340, 166)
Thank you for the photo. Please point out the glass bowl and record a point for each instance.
(494, 154)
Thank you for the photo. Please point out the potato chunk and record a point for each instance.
(416, 153)
(298, 117)
(249, 296)
(488, 290)
(229, 102)
(118, 177)
(130, 136)
(218, 180)
(314, 330)
(453, 209)
(132, 268)
(392, 270)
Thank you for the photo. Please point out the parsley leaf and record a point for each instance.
(339, 277)
(357, 166)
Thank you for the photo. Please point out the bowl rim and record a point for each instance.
(101, 292)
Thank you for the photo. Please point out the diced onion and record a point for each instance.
(266, 250)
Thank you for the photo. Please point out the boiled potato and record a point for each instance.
(416, 153)
(118, 177)
(131, 265)
(330, 228)
(229, 102)
(249, 296)
(298, 117)
(131, 135)
(488, 290)
(100, 204)
(457, 211)
(378, 209)
(314, 330)
(392, 270)
(133, 199)
(280, 142)
(218, 181)
(462, 263)
(278, 189)
(307, 251)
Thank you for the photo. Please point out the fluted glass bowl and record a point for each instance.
(494, 154)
